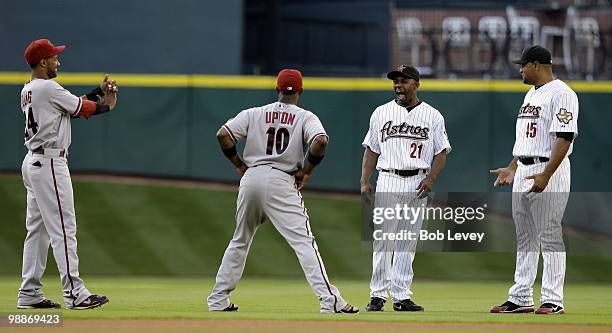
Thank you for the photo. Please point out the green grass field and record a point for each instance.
(129, 227)
(154, 248)
(291, 299)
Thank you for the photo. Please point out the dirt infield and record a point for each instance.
(180, 325)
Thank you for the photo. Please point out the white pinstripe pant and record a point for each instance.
(537, 217)
(392, 260)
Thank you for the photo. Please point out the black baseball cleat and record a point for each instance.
(549, 308)
(407, 305)
(91, 302)
(376, 304)
(44, 304)
(231, 308)
(510, 307)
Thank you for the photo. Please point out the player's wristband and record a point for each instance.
(314, 160)
(93, 95)
(230, 152)
(101, 108)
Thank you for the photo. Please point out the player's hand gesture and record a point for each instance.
(301, 178)
(110, 99)
(505, 176)
(108, 85)
(425, 187)
(540, 180)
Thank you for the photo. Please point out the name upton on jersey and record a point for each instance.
(285, 118)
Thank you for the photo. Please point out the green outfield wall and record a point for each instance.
(165, 125)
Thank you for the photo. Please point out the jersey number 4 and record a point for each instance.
(532, 130)
(279, 139)
(31, 124)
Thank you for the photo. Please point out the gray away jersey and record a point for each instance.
(47, 108)
(549, 109)
(276, 134)
(406, 140)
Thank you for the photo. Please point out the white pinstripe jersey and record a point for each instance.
(406, 140)
(551, 108)
(47, 108)
(277, 134)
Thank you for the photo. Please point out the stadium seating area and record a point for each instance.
(482, 41)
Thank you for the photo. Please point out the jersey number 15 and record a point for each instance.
(532, 130)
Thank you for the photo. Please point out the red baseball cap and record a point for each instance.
(41, 49)
(289, 81)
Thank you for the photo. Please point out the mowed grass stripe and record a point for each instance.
(150, 229)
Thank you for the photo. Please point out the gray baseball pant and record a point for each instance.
(50, 220)
(268, 192)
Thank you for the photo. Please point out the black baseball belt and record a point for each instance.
(533, 160)
(404, 173)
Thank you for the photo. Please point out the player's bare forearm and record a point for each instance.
(315, 156)
(316, 153)
(513, 164)
(557, 155)
(368, 164)
(437, 165)
(229, 149)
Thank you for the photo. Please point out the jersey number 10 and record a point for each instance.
(279, 139)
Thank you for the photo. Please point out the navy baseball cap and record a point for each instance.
(405, 70)
(535, 53)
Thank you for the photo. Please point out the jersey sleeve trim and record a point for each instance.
(230, 133)
(366, 145)
(317, 135)
(78, 108)
(447, 148)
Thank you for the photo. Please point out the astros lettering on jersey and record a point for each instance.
(406, 139)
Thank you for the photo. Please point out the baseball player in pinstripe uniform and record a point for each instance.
(407, 143)
(546, 125)
(278, 136)
(50, 217)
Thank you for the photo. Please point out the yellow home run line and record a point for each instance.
(268, 82)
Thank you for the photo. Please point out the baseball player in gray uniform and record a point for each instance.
(407, 143)
(546, 125)
(278, 137)
(50, 217)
